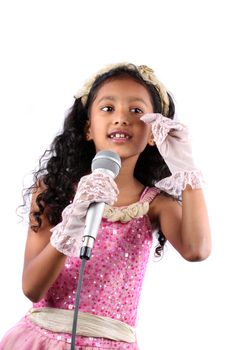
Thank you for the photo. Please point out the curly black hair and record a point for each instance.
(70, 155)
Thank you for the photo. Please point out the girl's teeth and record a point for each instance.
(119, 136)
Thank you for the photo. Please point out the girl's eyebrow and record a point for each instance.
(112, 98)
(130, 99)
(137, 99)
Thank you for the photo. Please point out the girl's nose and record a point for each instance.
(121, 119)
(121, 122)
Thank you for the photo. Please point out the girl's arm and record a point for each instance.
(186, 227)
(42, 262)
(42, 265)
(46, 251)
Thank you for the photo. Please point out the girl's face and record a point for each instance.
(115, 113)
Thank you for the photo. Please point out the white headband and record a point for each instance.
(146, 73)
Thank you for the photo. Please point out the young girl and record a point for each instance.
(124, 108)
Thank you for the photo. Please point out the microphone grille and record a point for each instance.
(107, 160)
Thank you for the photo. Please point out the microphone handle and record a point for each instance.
(92, 223)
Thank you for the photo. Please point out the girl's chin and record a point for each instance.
(124, 152)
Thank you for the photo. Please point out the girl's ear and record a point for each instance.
(88, 131)
(151, 141)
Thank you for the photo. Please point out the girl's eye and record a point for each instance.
(107, 109)
(136, 110)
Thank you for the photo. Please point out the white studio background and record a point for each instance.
(48, 49)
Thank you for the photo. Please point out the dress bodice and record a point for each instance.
(113, 276)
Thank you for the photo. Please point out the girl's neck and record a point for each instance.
(130, 189)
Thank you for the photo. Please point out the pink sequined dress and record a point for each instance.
(111, 286)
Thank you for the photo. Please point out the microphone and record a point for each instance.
(110, 163)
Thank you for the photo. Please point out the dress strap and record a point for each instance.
(149, 194)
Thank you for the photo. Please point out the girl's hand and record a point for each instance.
(171, 139)
(96, 187)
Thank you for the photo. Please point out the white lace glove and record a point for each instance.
(96, 187)
(172, 141)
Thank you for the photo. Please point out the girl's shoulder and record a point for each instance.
(159, 203)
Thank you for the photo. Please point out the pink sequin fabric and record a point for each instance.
(111, 286)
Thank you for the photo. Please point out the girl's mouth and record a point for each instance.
(119, 136)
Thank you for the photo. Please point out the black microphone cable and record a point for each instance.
(76, 307)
